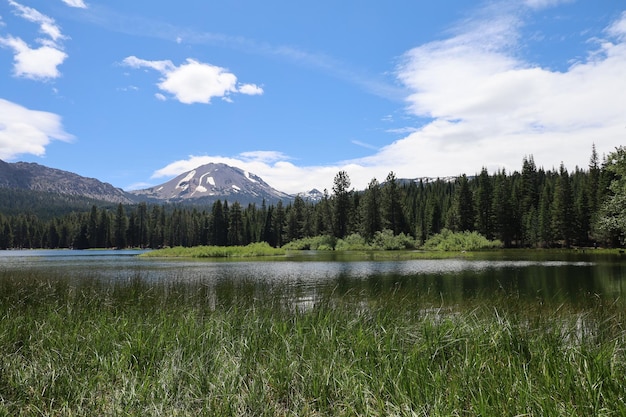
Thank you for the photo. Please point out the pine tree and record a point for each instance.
(461, 217)
(295, 219)
(235, 226)
(341, 204)
(484, 207)
(278, 224)
(529, 200)
(392, 209)
(371, 221)
(562, 208)
(92, 230)
(121, 223)
(502, 209)
(219, 228)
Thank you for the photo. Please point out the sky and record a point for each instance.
(134, 93)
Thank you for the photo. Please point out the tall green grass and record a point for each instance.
(142, 348)
(248, 251)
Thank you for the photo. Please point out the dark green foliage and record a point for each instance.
(461, 217)
(563, 208)
(531, 208)
(393, 211)
(341, 205)
(371, 220)
(611, 223)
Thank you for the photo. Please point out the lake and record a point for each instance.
(497, 333)
(304, 277)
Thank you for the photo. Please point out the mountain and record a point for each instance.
(428, 180)
(212, 182)
(35, 177)
(314, 195)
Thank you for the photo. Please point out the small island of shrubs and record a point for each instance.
(446, 241)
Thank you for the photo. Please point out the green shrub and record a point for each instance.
(251, 250)
(459, 241)
(322, 242)
(386, 240)
(353, 242)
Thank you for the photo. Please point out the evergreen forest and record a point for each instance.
(532, 207)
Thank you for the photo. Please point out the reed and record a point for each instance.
(183, 349)
(248, 251)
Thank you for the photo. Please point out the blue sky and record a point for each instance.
(136, 92)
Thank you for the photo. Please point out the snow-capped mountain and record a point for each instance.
(313, 195)
(213, 182)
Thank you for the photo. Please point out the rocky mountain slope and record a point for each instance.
(203, 185)
(212, 182)
(35, 177)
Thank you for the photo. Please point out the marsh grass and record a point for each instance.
(183, 349)
(248, 251)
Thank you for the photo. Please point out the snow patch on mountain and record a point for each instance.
(212, 182)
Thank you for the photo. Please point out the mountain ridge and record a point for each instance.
(36, 177)
(202, 185)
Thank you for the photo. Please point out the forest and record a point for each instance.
(532, 207)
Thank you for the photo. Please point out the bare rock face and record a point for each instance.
(213, 182)
(35, 177)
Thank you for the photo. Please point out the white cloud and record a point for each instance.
(34, 63)
(263, 156)
(618, 28)
(542, 4)
(75, 3)
(484, 107)
(491, 108)
(273, 167)
(47, 25)
(194, 81)
(364, 145)
(25, 131)
(38, 63)
(161, 66)
(250, 89)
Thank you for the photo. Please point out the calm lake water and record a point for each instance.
(559, 277)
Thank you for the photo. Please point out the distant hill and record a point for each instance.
(45, 205)
(212, 182)
(32, 187)
(35, 177)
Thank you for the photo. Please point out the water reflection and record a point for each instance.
(304, 282)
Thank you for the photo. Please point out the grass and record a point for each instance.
(252, 250)
(140, 348)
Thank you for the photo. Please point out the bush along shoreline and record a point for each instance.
(446, 241)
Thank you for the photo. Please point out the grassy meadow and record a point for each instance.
(140, 348)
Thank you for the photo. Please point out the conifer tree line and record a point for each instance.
(532, 207)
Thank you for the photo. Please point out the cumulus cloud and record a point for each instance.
(480, 105)
(194, 81)
(75, 3)
(25, 131)
(250, 89)
(34, 63)
(41, 62)
(489, 107)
